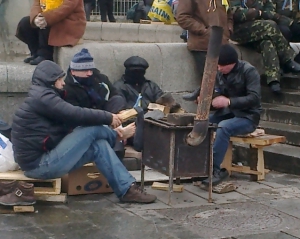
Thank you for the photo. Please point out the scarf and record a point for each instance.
(47, 5)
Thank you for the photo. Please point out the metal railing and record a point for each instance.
(120, 7)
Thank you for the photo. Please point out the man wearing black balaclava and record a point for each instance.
(134, 87)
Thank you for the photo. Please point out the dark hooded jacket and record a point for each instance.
(150, 92)
(242, 87)
(77, 95)
(41, 121)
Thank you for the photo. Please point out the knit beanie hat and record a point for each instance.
(82, 61)
(228, 55)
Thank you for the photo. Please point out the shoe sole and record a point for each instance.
(215, 184)
(18, 204)
(137, 202)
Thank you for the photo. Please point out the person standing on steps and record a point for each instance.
(106, 8)
(197, 17)
(52, 23)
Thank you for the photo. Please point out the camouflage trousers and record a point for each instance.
(267, 39)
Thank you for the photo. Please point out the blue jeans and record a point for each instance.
(228, 126)
(82, 146)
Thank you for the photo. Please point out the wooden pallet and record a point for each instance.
(16, 209)
(41, 187)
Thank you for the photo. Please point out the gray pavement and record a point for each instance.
(256, 210)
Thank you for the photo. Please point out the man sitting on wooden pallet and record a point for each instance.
(46, 148)
(236, 100)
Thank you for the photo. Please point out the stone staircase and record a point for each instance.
(280, 116)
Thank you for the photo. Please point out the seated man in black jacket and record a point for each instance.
(236, 100)
(138, 91)
(133, 85)
(87, 87)
(45, 148)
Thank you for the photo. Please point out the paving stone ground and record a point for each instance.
(256, 210)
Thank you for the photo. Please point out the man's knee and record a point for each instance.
(25, 23)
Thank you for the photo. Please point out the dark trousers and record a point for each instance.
(35, 38)
(199, 57)
(115, 104)
(290, 36)
(88, 9)
(106, 9)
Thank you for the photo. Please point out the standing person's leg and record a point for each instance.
(103, 10)
(226, 129)
(110, 10)
(30, 36)
(45, 51)
(199, 57)
(88, 10)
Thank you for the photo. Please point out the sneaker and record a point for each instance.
(21, 195)
(136, 195)
(218, 177)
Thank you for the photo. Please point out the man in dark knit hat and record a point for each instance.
(88, 88)
(236, 102)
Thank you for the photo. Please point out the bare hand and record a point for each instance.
(220, 102)
(116, 121)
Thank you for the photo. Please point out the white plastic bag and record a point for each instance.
(7, 162)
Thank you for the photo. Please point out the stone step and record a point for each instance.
(278, 157)
(287, 81)
(289, 115)
(291, 132)
(288, 97)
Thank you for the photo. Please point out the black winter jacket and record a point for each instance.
(40, 122)
(150, 92)
(78, 96)
(242, 87)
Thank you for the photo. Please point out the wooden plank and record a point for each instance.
(23, 209)
(126, 115)
(162, 108)
(131, 153)
(52, 198)
(165, 187)
(263, 140)
(244, 169)
(260, 164)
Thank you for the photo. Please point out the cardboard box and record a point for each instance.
(85, 180)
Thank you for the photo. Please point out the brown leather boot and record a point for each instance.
(136, 195)
(7, 187)
(23, 195)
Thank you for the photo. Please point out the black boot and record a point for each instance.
(218, 177)
(275, 87)
(192, 96)
(37, 60)
(28, 59)
(292, 66)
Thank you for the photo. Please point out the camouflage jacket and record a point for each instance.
(249, 10)
(288, 10)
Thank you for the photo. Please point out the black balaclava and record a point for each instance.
(135, 76)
